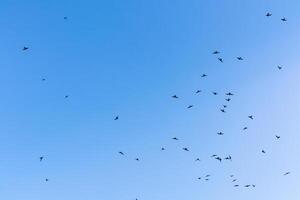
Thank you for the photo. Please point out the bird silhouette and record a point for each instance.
(41, 158)
(220, 133)
(208, 175)
(175, 138)
(228, 158)
(137, 159)
(236, 185)
(175, 96)
(245, 128)
(283, 19)
(46, 179)
(203, 75)
(120, 152)
(229, 94)
(162, 149)
(247, 185)
(185, 149)
(228, 99)
(263, 151)
(219, 159)
(287, 173)
(277, 136)
(43, 79)
(221, 60)
(216, 52)
(190, 106)
(198, 91)
(199, 178)
(279, 67)
(251, 117)
(116, 118)
(214, 156)
(215, 93)
(234, 180)
(66, 96)
(198, 160)
(25, 48)
(222, 110)
(65, 17)
(224, 106)
(269, 14)
(239, 58)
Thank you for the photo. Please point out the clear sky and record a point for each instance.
(128, 58)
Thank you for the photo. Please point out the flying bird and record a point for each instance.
(65, 17)
(245, 128)
(215, 93)
(198, 91)
(66, 96)
(175, 138)
(197, 160)
(216, 52)
(162, 149)
(229, 94)
(251, 117)
(43, 79)
(269, 14)
(263, 151)
(41, 158)
(228, 158)
(221, 60)
(190, 106)
(279, 67)
(46, 179)
(239, 58)
(236, 185)
(116, 118)
(222, 110)
(175, 96)
(247, 185)
(185, 149)
(208, 175)
(277, 136)
(203, 75)
(234, 180)
(287, 173)
(220, 133)
(224, 106)
(219, 159)
(283, 19)
(137, 159)
(120, 152)
(214, 155)
(228, 99)
(25, 48)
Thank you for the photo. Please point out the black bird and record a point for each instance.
(251, 117)
(219, 159)
(215, 93)
(216, 52)
(222, 110)
(228, 158)
(224, 106)
(239, 58)
(269, 14)
(245, 128)
(207, 179)
(66, 96)
(234, 180)
(208, 175)
(46, 179)
(185, 149)
(287, 173)
(175, 96)
(203, 75)
(214, 155)
(120, 152)
(247, 185)
(43, 79)
(162, 149)
(198, 160)
(221, 60)
(231, 175)
(116, 118)
(41, 158)
(25, 48)
(198, 91)
(228, 99)
(253, 185)
(277, 136)
(229, 94)
(279, 67)
(283, 19)
(190, 106)
(220, 133)
(137, 159)
(236, 185)
(263, 151)
(175, 138)
(65, 17)
(199, 178)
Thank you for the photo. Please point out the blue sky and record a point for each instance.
(128, 58)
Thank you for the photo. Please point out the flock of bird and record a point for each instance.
(228, 95)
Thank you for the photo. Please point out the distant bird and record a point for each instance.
(221, 60)
(234, 180)
(198, 91)
(253, 185)
(175, 138)
(25, 48)
(245, 128)
(287, 173)
(219, 159)
(120, 152)
(208, 175)
(228, 158)
(220, 133)
(251, 117)
(190, 106)
(137, 159)
(116, 118)
(66, 96)
(263, 151)
(224, 106)
(277, 136)
(162, 149)
(222, 110)
(236, 185)
(247, 185)
(207, 179)
(231, 175)
(283, 19)
(46, 179)
(185, 149)
(214, 155)
(199, 178)
(203, 75)
(197, 160)
(228, 99)
(43, 79)
(41, 158)
(229, 94)
(65, 17)
(239, 58)
(269, 14)
(175, 96)
(215, 93)
(216, 52)
(279, 67)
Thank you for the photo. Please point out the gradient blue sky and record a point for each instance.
(127, 58)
